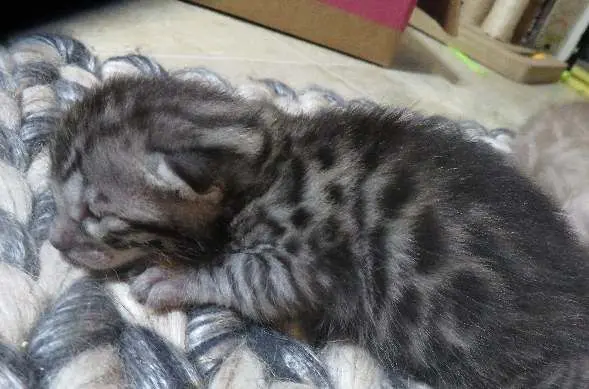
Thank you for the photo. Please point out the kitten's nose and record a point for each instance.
(61, 237)
(60, 241)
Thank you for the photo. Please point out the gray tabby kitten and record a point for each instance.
(369, 224)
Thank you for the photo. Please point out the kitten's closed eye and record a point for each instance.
(101, 227)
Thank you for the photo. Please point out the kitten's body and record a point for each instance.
(372, 225)
(553, 148)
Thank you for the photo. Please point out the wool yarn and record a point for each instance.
(52, 48)
(351, 367)
(16, 372)
(212, 334)
(15, 195)
(9, 111)
(55, 274)
(150, 362)
(12, 148)
(61, 327)
(16, 244)
(77, 75)
(96, 368)
(133, 64)
(204, 76)
(500, 139)
(170, 326)
(81, 319)
(22, 303)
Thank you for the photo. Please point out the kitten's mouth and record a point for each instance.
(100, 260)
(90, 258)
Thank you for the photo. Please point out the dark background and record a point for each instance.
(18, 15)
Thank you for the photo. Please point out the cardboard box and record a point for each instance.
(366, 29)
(514, 62)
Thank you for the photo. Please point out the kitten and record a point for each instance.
(370, 224)
(553, 148)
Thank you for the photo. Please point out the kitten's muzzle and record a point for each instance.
(80, 249)
(65, 235)
(62, 239)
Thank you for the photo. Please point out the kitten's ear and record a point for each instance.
(197, 198)
(189, 175)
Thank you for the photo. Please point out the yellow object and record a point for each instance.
(539, 56)
(575, 83)
(580, 73)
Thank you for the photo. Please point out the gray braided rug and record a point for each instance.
(61, 329)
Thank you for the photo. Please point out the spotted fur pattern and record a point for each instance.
(370, 224)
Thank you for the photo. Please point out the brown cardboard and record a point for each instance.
(445, 13)
(526, 20)
(513, 62)
(319, 23)
(332, 27)
(520, 67)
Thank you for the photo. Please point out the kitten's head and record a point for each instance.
(146, 169)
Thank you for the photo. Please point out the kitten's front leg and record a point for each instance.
(264, 283)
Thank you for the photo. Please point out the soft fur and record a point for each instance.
(371, 224)
(553, 148)
(59, 329)
(41, 347)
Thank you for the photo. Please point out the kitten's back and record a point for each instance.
(467, 232)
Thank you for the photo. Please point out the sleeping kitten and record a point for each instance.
(553, 148)
(370, 224)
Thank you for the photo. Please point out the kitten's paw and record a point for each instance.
(162, 288)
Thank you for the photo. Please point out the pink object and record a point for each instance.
(394, 14)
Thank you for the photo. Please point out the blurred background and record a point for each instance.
(496, 62)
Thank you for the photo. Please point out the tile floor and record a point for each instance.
(180, 34)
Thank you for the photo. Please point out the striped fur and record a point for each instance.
(378, 226)
(44, 298)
